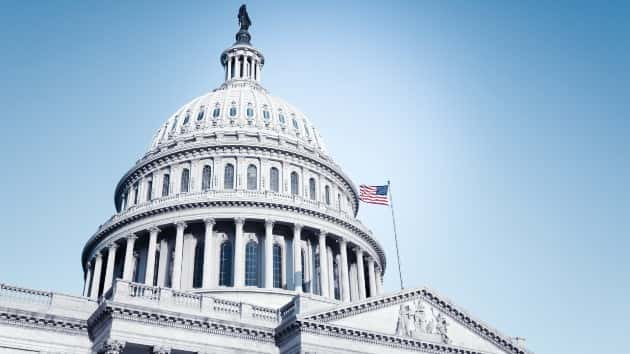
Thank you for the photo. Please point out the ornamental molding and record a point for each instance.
(172, 155)
(326, 329)
(110, 311)
(104, 232)
(28, 319)
(428, 295)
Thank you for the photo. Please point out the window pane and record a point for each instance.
(327, 195)
(200, 114)
(228, 177)
(277, 266)
(149, 190)
(216, 112)
(274, 178)
(252, 178)
(225, 271)
(294, 183)
(311, 188)
(166, 182)
(251, 264)
(206, 178)
(185, 183)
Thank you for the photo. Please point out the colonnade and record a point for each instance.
(317, 262)
(243, 66)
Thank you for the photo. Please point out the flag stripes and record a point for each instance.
(374, 194)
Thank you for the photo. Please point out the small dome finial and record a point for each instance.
(244, 21)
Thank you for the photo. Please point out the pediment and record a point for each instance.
(420, 314)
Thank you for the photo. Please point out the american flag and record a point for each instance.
(374, 194)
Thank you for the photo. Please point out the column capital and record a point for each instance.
(155, 229)
(323, 233)
(209, 221)
(239, 221)
(113, 346)
(161, 350)
(180, 225)
(112, 246)
(298, 227)
(342, 241)
(358, 250)
(88, 265)
(369, 258)
(131, 237)
(98, 254)
(269, 222)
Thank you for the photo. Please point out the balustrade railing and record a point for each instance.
(167, 298)
(30, 296)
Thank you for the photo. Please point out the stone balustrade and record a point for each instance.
(13, 294)
(196, 304)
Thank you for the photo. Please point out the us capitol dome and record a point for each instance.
(236, 232)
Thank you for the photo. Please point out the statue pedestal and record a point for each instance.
(243, 37)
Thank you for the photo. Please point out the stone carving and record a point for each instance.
(415, 321)
(113, 347)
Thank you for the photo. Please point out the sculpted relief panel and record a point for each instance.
(416, 320)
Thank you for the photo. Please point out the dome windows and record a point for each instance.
(252, 178)
(186, 118)
(249, 111)
(225, 265)
(216, 112)
(201, 113)
(295, 183)
(251, 264)
(228, 177)
(274, 180)
(266, 114)
(281, 118)
(294, 121)
(233, 110)
(174, 124)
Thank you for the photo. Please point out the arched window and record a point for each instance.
(250, 112)
(311, 188)
(277, 266)
(216, 112)
(166, 182)
(185, 183)
(295, 182)
(174, 124)
(327, 195)
(296, 126)
(233, 110)
(306, 129)
(228, 177)
(201, 113)
(338, 201)
(266, 115)
(252, 178)
(336, 287)
(186, 118)
(149, 190)
(251, 264)
(274, 179)
(225, 266)
(206, 177)
(281, 118)
(135, 193)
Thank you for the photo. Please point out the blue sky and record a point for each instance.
(502, 126)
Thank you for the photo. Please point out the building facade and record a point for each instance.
(237, 233)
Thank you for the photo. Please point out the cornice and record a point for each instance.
(102, 233)
(43, 321)
(116, 311)
(459, 315)
(326, 329)
(189, 147)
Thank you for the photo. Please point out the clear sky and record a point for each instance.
(503, 127)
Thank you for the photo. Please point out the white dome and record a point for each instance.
(241, 104)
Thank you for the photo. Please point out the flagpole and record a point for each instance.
(391, 206)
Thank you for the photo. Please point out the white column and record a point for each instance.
(88, 278)
(109, 268)
(354, 282)
(269, 253)
(163, 263)
(284, 264)
(297, 258)
(372, 276)
(176, 282)
(379, 282)
(307, 267)
(343, 275)
(331, 273)
(188, 261)
(360, 272)
(96, 275)
(208, 252)
(150, 271)
(128, 266)
(239, 253)
(323, 264)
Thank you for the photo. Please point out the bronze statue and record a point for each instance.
(243, 18)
